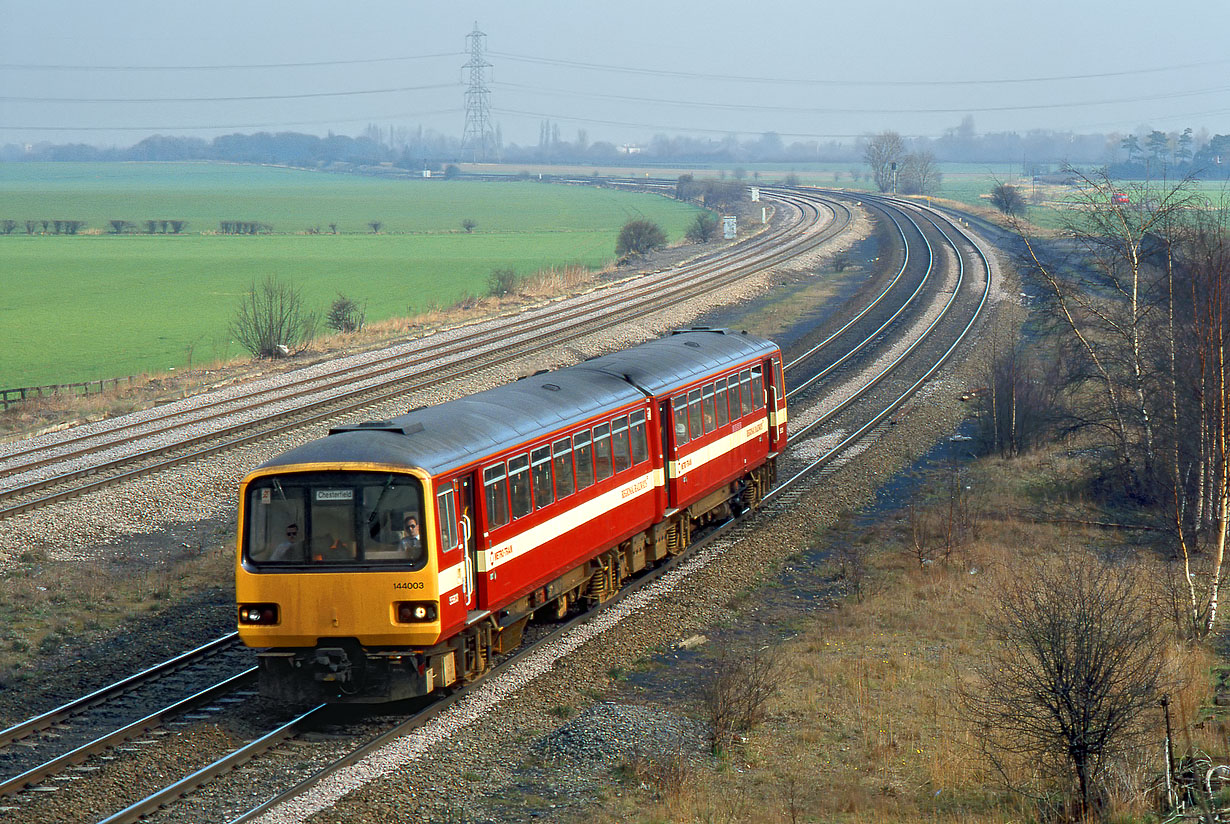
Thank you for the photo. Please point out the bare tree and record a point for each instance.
(375, 226)
(468, 224)
(1077, 664)
(1112, 296)
(7, 226)
(271, 321)
(919, 174)
(883, 153)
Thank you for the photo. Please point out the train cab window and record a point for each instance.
(694, 423)
(723, 411)
(495, 485)
(620, 450)
(562, 463)
(519, 485)
(640, 444)
(745, 391)
(602, 451)
(333, 518)
(779, 380)
(709, 415)
(584, 452)
(679, 412)
(757, 389)
(540, 476)
(446, 514)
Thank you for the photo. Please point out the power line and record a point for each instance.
(269, 125)
(890, 110)
(548, 61)
(306, 95)
(220, 67)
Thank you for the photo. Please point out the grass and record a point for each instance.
(867, 727)
(89, 307)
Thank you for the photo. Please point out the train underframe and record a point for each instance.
(342, 670)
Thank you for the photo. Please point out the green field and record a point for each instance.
(99, 305)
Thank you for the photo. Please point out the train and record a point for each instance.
(394, 558)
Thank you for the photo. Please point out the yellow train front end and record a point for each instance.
(337, 582)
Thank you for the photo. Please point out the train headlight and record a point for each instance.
(415, 612)
(259, 614)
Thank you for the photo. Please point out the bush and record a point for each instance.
(703, 228)
(1008, 199)
(639, 237)
(502, 282)
(345, 315)
(271, 321)
(468, 225)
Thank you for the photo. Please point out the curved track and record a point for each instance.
(934, 320)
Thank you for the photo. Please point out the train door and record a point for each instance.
(776, 384)
(464, 488)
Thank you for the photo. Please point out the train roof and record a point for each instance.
(465, 430)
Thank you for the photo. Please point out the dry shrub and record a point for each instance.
(556, 280)
(738, 691)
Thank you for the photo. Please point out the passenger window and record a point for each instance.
(779, 379)
(723, 412)
(694, 425)
(707, 404)
(495, 482)
(757, 389)
(745, 391)
(562, 450)
(446, 514)
(602, 451)
(519, 485)
(540, 475)
(619, 443)
(585, 459)
(640, 446)
(679, 412)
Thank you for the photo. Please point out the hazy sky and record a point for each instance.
(112, 73)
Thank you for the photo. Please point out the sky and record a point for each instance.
(110, 74)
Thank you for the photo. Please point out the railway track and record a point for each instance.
(57, 468)
(944, 320)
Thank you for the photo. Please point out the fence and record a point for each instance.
(12, 397)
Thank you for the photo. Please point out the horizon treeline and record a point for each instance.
(1141, 154)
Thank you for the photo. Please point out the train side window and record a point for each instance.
(540, 475)
(710, 417)
(679, 412)
(619, 443)
(519, 485)
(745, 391)
(495, 483)
(584, 453)
(602, 451)
(640, 446)
(779, 380)
(694, 424)
(723, 411)
(446, 514)
(564, 483)
(757, 389)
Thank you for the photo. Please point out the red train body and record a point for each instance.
(532, 497)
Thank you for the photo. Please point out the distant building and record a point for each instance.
(631, 149)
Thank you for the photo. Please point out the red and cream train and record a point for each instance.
(392, 558)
